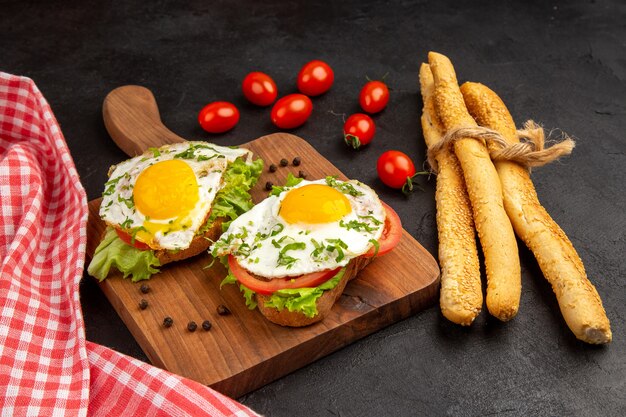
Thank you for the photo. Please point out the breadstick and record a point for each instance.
(578, 299)
(461, 295)
(485, 193)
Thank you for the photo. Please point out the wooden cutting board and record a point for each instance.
(243, 351)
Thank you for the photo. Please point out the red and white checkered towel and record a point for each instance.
(47, 368)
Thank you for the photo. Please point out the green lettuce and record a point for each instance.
(234, 198)
(113, 252)
(302, 300)
(231, 201)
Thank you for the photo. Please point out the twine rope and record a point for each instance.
(529, 152)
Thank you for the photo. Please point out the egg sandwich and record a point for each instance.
(169, 204)
(293, 253)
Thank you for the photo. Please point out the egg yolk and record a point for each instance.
(314, 203)
(166, 189)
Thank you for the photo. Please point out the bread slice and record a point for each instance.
(324, 303)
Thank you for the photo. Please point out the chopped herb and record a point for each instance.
(189, 153)
(201, 158)
(127, 223)
(336, 245)
(319, 249)
(344, 187)
(372, 219)
(286, 260)
(277, 228)
(155, 152)
(376, 246)
(129, 202)
(358, 226)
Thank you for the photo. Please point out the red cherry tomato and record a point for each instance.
(358, 130)
(391, 233)
(218, 117)
(291, 111)
(395, 168)
(311, 280)
(315, 78)
(128, 239)
(259, 88)
(374, 96)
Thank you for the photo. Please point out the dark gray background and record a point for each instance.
(560, 63)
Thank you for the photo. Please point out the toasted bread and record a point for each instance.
(324, 303)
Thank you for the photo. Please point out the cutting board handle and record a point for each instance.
(132, 118)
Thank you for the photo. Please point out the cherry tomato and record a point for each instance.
(291, 111)
(128, 239)
(269, 287)
(374, 96)
(391, 233)
(395, 168)
(259, 88)
(315, 78)
(358, 130)
(218, 117)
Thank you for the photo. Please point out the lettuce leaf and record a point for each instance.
(234, 199)
(113, 252)
(302, 300)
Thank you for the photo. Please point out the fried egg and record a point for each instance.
(313, 226)
(164, 196)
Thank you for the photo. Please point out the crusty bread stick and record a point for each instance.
(483, 186)
(461, 295)
(578, 299)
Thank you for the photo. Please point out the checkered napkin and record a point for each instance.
(47, 368)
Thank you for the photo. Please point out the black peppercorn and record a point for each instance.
(273, 168)
(284, 162)
(268, 185)
(301, 174)
(296, 161)
(167, 321)
(192, 326)
(145, 289)
(143, 304)
(222, 310)
(206, 325)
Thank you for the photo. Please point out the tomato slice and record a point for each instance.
(391, 233)
(269, 287)
(126, 238)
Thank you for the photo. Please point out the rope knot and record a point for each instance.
(529, 152)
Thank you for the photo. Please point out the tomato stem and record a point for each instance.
(407, 188)
(352, 140)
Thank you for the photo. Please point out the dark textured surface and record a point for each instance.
(560, 63)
